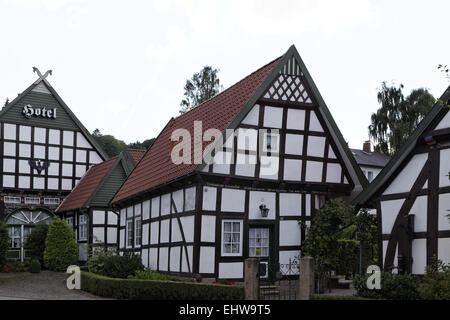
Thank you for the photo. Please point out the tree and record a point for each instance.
(142, 145)
(35, 244)
(445, 70)
(201, 87)
(398, 116)
(61, 249)
(4, 243)
(109, 143)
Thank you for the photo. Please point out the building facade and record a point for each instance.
(412, 197)
(370, 162)
(45, 151)
(270, 155)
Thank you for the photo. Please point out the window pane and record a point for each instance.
(236, 226)
(227, 226)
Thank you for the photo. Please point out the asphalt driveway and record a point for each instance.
(47, 285)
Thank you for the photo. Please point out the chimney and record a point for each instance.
(367, 147)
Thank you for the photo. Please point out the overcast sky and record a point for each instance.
(121, 65)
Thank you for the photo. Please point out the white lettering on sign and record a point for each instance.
(29, 111)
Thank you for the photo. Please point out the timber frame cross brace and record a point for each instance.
(41, 76)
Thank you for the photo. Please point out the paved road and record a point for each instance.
(46, 285)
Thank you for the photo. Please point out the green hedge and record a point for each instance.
(157, 289)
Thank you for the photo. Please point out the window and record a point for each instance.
(370, 176)
(83, 227)
(270, 143)
(54, 201)
(32, 200)
(15, 235)
(12, 199)
(69, 221)
(259, 242)
(231, 237)
(129, 232)
(137, 232)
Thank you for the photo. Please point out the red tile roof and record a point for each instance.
(81, 193)
(157, 167)
(136, 154)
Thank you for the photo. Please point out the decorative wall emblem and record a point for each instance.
(30, 111)
(39, 165)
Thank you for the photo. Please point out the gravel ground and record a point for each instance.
(47, 285)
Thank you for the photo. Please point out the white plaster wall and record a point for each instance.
(269, 167)
(24, 182)
(245, 165)
(145, 234)
(25, 150)
(292, 170)
(314, 171)
(175, 259)
(53, 136)
(334, 172)
(209, 198)
(94, 157)
(163, 259)
(290, 233)
(9, 149)
(419, 210)
(207, 259)
(273, 117)
(247, 139)
(9, 165)
(231, 270)
(208, 231)
(385, 244)
(123, 215)
(98, 217)
(419, 253)
(314, 124)
(258, 198)
(188, 227)
(38, 183)
(67, 169)
(178, 199)
(24, 166)
(176, 234)
(82, 142)
(189, 201)
(445, 122)
(444, 207)
(122, 238)
(40, 134)
(39, 152)
(144, 257)
(164, 237)
(25, 133)
(290, 204)
(295, 119)
(68, 138)
(222, 161)
(444, 167)
(146, 210)
(153, 258)
(53, 169)
(155, 207)
(331, 154)
(9, 131)
(67, 154)
(444, 250)
(233, 200)
(80, 170)
(154, 232)
(291, 254)
(294, 144)
(53, 153)
(406, 178)
(389, 212)
(52, 183)
(184, 261)
(252, 117)
(316, 146)
(165, 204)
(308, 204)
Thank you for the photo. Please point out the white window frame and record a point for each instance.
(274, 137)
(8, 199)
(137, 231)
(129, 228)
(51, 201)
(83, 227)
(241, 226)
(32, 200)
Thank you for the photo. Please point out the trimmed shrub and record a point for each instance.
(35, 244)
(4, 243)
(35, 266)
(393, 287)
(436, 282)
(149, 274)
(112, 265)
(137, 289)
(61, 250)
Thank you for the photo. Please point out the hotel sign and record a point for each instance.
(30, 111)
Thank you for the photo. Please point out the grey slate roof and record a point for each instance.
(370, 159)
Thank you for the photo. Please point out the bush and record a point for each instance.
(18, 267)
(61, 250)
(157, 289)
(436, 282)
(149, 274)
(4, 243)
(35, 244)
(112, 265)
(348, 257)
(35, 266)
(393, 287)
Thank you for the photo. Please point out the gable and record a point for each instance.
(109, 186)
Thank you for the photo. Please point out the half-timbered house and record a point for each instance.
(87, 208)
(45, 150)
(278, 156)
(412, 197)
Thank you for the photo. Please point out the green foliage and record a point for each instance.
(348, 257)
(110, 264)
(393, 287)
(61, 250)
(136, 289)
(201, 87)
(398, 116)
(142, 145)
(35, 266)
(436, 282)
(113, 146)
(4, 243)
(322, 239)
(149, 274)
(35, 244)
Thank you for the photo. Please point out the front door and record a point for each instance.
(259, 247)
